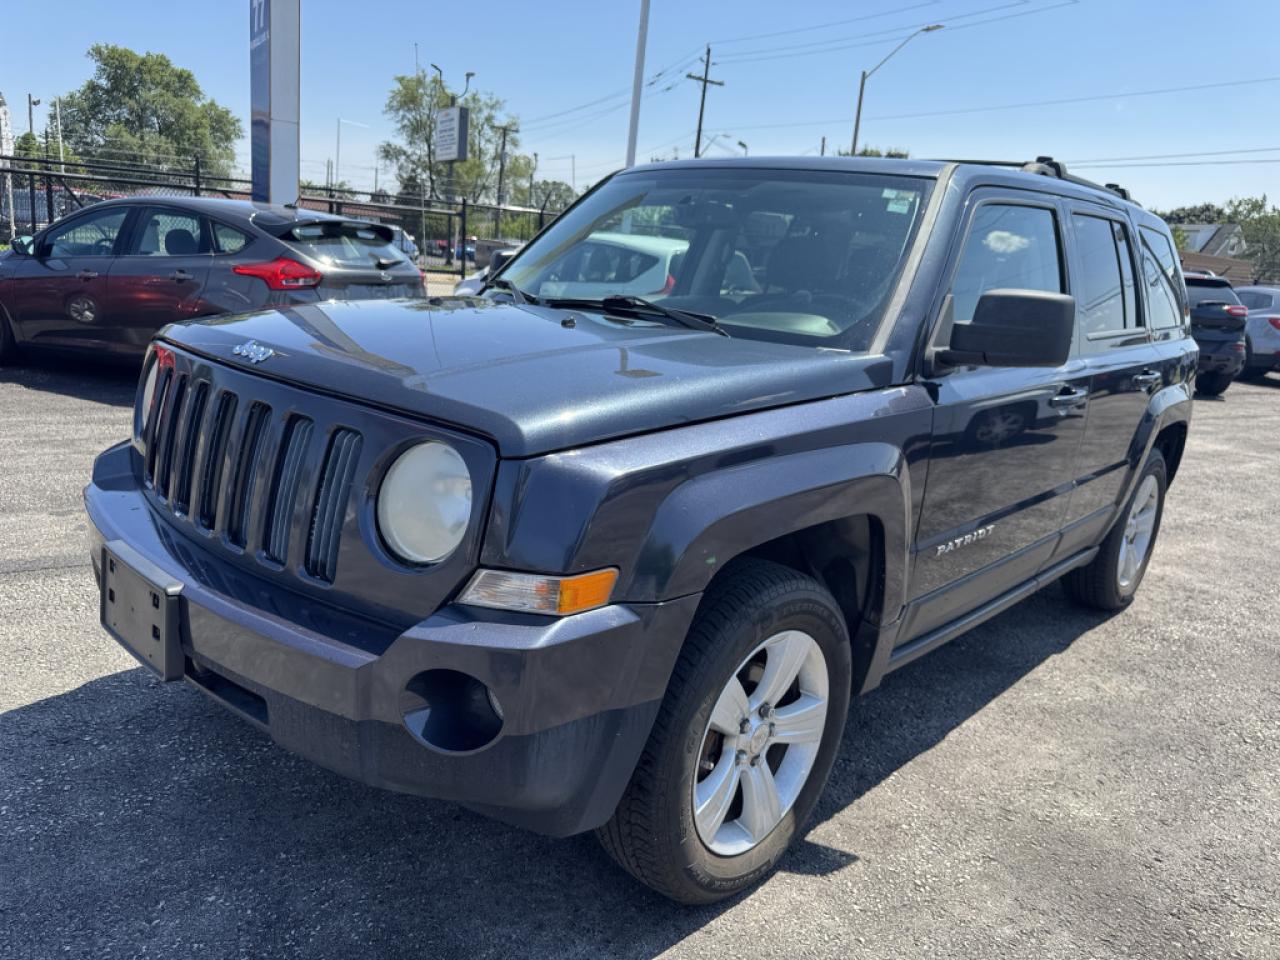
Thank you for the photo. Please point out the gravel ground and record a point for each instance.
(1056, 784)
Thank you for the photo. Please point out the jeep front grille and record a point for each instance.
(194, 443)
(278, 480)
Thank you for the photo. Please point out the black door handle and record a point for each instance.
(1147, 378)
(87, 275)
(1069, 399)
(180, 276)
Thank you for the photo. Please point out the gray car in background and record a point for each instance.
(1262, 330)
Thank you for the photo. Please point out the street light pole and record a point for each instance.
(637, 82)
(862, 83)
(337, 156)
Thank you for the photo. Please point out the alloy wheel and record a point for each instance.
(1138, 531)
(761, 742)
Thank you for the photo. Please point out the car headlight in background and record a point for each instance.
(425, 503)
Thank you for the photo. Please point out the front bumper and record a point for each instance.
(577, 695)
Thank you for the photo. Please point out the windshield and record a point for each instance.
(789, 256)
(1199, 293)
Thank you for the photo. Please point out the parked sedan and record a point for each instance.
(1262, 330)
(1217, 323)
(108, 277)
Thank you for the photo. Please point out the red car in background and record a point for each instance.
(108, 277)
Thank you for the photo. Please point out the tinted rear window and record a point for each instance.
(346, 244)
(1198, 292)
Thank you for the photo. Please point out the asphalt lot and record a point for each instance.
(1056, 784)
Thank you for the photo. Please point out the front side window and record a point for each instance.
(802, 257)
(93, 235)
(1009, 247)
(1104, 293)
(169, 233)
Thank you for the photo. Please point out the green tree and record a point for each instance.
(1260, 223)
(1200, 213)
(412, 106)
(877, 152)
(143, 108)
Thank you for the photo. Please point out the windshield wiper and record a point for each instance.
(638, 306)
(502, 283)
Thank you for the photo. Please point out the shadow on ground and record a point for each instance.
(138, 817)
(106, 379)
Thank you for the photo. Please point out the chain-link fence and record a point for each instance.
(438, 233)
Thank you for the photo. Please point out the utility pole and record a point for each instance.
(57, 119)
(502, 172)
(637, 83)
(705, 80)
(32, 102)
(533, 171)
(822, 151)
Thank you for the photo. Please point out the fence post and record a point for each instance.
(31, 184)
(197, 177)
(462, 240)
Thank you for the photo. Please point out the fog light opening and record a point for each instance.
(451, 711)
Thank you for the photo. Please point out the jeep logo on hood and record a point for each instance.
(253, 351)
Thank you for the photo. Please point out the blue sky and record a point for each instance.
(790, 73)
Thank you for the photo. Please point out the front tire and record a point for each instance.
(744, 741)
(1111, 579)
(1212, 384)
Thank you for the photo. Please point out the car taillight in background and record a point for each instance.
(281, 273)
(1236, 310)
(1274, 321)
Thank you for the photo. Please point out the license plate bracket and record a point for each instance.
(139, 607)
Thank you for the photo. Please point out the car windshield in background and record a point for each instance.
(346, 244)
(1198, 293)
(788, 256)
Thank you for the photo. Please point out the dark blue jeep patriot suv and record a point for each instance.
(611, 546)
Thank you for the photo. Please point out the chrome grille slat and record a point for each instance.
(188, 442)
(251, 451)
(284, 490)
(217, 435)
(329, 512)
(153, 432)
(169, 436)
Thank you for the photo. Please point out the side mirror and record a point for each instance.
(1015, 328)
(21, 245)
(498, 259)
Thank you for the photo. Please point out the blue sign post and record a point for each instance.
(273, 98)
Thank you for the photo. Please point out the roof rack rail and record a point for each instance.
(1049, 167)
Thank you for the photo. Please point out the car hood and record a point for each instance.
(532, 379)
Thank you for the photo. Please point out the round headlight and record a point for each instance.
(425, 503)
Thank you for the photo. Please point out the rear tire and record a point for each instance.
(1106, 583)
(1212, 384)
(757, 611)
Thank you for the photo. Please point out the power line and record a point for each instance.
(1172, 156)
(862, 39)
(851, 42)
(955, 111)
(1176, 163)
(829, 23)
